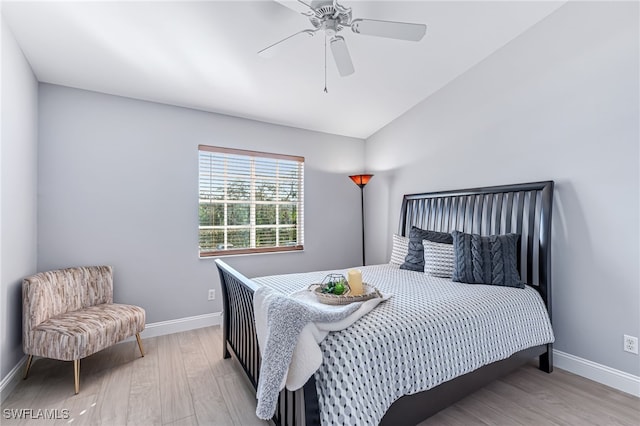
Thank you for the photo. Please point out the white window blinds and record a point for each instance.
(249, 202)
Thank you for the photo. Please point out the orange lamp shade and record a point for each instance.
(361, 180)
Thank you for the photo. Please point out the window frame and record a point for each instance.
(253, 226)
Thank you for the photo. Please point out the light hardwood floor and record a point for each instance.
(183, 380)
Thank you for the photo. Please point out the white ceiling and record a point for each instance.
(203, 55)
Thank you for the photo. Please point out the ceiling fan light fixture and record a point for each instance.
(330, 27)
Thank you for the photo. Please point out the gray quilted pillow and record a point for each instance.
(415, 254)
(486, 260)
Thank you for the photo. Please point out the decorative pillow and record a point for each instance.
(414, 261)
(438, 259)
(399, 249)
(486, 260)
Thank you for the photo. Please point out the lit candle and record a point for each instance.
(355, 282)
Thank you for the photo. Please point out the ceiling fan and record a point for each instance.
(331, 17)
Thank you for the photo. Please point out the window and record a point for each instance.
(249, 202)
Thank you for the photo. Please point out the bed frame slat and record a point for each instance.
(477, 214)
(508, 213)
(519, 213)
(497, 215)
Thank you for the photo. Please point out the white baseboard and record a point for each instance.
(154, 329)
(10, 381)
(611, 377)
(181, 324)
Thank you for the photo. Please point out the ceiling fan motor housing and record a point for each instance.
(329, 16)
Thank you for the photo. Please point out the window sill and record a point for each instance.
(216, 255)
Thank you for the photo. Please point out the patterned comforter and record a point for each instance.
(431, 330)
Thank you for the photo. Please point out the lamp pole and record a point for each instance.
(361, 181)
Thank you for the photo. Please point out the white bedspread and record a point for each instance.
(430, 331)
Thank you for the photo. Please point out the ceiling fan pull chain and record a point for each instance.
(325, 65)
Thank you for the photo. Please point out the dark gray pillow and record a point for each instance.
(415, 254)
(486, 260)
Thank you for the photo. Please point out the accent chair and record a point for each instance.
(69, 314)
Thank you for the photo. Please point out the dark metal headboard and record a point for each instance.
(524, 209)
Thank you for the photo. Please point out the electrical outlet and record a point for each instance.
(631, 344)
(212, 296)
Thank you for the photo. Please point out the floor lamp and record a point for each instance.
(361, 181)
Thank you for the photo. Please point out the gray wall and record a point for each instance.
(559, 102)
(118, 185)
(18, 179)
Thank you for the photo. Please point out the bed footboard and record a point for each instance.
(240, 340)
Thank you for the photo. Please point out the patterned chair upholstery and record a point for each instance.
(69, 314)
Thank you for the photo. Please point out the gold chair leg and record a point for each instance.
(139, 344)
(28, 366)
(76, 374)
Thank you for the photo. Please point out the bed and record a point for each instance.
(523, 209)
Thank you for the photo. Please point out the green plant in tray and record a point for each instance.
(337, 287)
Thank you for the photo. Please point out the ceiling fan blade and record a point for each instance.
(341, 56)
(272, 50)
(389, 29)
(297, 6)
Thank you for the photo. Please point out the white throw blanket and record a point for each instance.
(315, 318)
